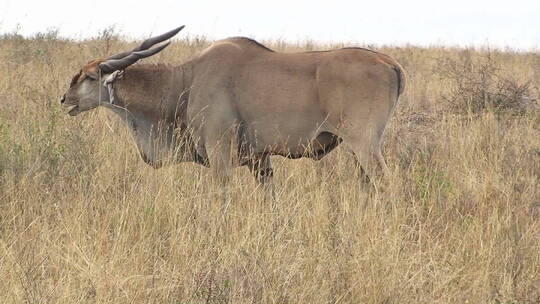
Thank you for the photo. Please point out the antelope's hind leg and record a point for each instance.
(261, 168)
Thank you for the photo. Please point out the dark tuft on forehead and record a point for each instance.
(75, 79)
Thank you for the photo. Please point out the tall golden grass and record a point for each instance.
(84, 220)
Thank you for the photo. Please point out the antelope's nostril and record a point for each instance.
(63, 99)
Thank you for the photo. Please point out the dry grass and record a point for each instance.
(84, 220)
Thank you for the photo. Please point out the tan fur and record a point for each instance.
(91, 69)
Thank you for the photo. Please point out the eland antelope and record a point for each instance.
(238, 103)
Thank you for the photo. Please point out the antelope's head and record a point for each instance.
(87, 91)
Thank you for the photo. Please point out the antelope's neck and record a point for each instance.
(152, 101)
(156, 92)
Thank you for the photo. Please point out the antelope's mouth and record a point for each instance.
(74, 110)
(72, 106)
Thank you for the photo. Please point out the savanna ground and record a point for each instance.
(84, 220)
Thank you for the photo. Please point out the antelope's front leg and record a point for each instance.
(221, 166)
(214, 124)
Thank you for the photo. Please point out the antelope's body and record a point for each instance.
(238, 103)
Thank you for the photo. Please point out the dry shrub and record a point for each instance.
(479, 84)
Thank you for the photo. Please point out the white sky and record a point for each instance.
(496, 23)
